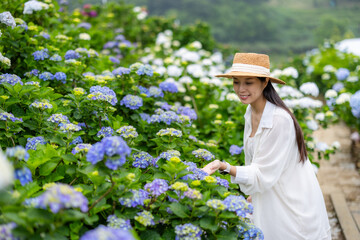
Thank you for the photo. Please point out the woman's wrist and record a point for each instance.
(225, 167)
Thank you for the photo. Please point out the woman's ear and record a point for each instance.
(266, 82)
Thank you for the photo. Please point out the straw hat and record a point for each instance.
(251, 65)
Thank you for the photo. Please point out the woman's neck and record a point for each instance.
(258, 106)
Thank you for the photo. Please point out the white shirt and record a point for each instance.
(287, 199)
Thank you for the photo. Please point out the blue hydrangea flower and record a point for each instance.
(193, 194)
(145, 70)
(41, 54)
(81, 147)
(9, 116)
(84, 25)
(144, 116)
(62, 196)
(131, 101)
(46, 76)
(164, 105)
(145, 218)
(169, 154)
(197, 173)
(121, 71)
(18, 152)
(11, 79)
(6, 231)
(118, 223)
(137, 199)
(222, 182)
(155, 92)
(187, 112)
(203, 153)
(142, 159)
(157, 187)
(127, 132)
(43, 104)
(110, 44)
(250, 232)
(102, 93)
(355, 104)
(169, 87)
(60, 76)
(143, 90)
(154, 119)
(235, 150)
(108, 233)
(342, 74)
(33, 72)
(239, 205)
(68, 127)
(24, 175)
(114, 60)
(58, 118)
(168, 117)
(169, 132)
(109, 147)
(188, 231)
(33, 83)
(338, 86)
(105, 132)
(71, 54)
(56, 58)
(216, 204)
(32, 142)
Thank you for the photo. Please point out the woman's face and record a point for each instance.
(249, 89)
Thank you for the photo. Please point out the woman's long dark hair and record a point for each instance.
(271, 95)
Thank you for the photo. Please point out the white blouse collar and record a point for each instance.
(266, 118)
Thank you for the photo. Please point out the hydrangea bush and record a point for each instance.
(107, 131)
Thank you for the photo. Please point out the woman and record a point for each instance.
(287, 199)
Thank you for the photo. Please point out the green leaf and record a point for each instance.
(69, 158)
(39, 215)
(209, 223)
(150, 235)
(227, 235)
(47, 168)
(179, 210)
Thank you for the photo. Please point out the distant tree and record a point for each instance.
(330, 28)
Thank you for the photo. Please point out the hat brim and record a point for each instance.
(246, 74)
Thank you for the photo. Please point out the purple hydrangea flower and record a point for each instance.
(33, 72)
(24, 175)
(114, 149)
(77, 140)
(238, 204)
(111, 44)
(188, 231)
(145, 218)
(222, 182)
(60, 76)
(46, 76)
(105, 132)
(142, 159)
(118, 223)
(108, 233)
(169, 87)
(58, 118)
(157, 187)
(144, 116)
(131, 101)
(168, 117)
(203, 153)
(6, 231)
(342, 74)
(103, 93)
(72, 54)
(33, 142)
(187, 112)
(137, 199)
(41, 54)
(5, 116)
(235, 150)
(11, 79)
(145, 70)
(84, 25)
(154, 119)
(114, 60)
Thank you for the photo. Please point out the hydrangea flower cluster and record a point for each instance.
(105, 132)
(120, 71)
(138, 198)
(235, 150)
(145, 218)
(5, 116)
(310, 88)
(69, 127)
(203, 153)
(145, 69)
(24, 175)
(216, 204)
(180, 186)
(18, 152)
(71, 54)
(41, 54)
(239, 205)
(6, 231)
(118, 223)
(222, 182)
(127, 132)
(79, 91)
(11, 79)
(109, 148)
(187, 112)
(188, 231)
(61, 196)
(46, 76)
(56, 58)
(82, 147)
(355, 104)
(102, 93)
(33, 83)
(155, 92)
(60, 76)
(342, 74)
(193, 194)
(33, 72)
(169, 87)
(58, 118)
(168, 117)
(250, 232)
(142, 159)
(157, 187)
(169, 154)
(131, 101)
(32, 142)
(102, 232)
(43, 104)
(169, 132)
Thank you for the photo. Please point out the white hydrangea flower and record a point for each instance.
(320, 116)
(6, 171)
(343, 98)
(312, 125)
(33, 5)
(331, 93)
(5, 60)
(187, 98)
(174, 71)
(185, 80)
(160, 70)
(325, 76)
(310, 88)
(287, 91)
(307, 102)
(190, 56)
(290, 71)
(196, 44)
(196, 70)
(329, 68)
(0, 33)
(217, 57)
(352, 79)
(162, 38)
(232, 97)
(310, 144)
(336, 145)
(206, 62)
(310, 69)
(84, 36)
(276, 73)
(321, 146)
(7, 19)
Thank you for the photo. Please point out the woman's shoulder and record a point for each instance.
(282, 115)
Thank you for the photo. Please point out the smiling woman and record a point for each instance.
(278, 175)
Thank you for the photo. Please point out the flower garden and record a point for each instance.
(107, 117)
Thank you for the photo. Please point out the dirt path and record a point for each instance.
(339, 173)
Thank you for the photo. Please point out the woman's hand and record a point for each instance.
(212, 167)
(249, 199)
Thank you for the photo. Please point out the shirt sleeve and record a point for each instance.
(276, 147)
